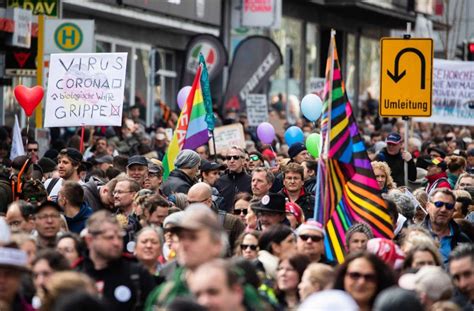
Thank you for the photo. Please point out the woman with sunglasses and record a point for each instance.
(241, 205)
(247, 245)
(363, 276)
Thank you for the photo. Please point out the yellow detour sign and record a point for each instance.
(406, 73)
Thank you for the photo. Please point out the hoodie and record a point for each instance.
(78, 222)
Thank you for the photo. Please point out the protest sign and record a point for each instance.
(227, 136)
(85, 89)
(453, 93)
(257, 109)
(316, 86)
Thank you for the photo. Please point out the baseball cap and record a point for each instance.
(104, 159)
(438, 150)
(437, 161)
(207, 166)
(48, 203)
(272, 202)
(432, 280)
(393, 138)
(137, 160)
(155, 168)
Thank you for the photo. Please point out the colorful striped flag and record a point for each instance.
(347, 190)
(191, 129)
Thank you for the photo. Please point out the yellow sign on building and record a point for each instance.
(406, 75)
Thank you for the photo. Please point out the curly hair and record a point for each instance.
(389, 183)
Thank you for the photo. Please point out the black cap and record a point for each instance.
(295, 149)
(72, 153)
(137, 160)
(47, 165)
(272, 202)
(207, 166)
(438, 150)
(104, 159)
(48, 203)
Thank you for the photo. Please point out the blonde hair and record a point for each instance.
(389, 184)
(321, 274)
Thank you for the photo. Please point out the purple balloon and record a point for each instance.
(182, 96)
(266, 133)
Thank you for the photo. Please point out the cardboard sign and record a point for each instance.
(257, 109)
(227, 136)
(453, 95)
(85, 89)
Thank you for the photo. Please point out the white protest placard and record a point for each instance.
(85, 89)
(227, 136)
(453, 93)
(257, 109)
(22, 30)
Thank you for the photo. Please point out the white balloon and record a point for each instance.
(312, 107)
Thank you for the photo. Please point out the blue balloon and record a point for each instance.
(311, 106)
(294, 135)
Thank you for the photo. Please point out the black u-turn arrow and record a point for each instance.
(397, 77)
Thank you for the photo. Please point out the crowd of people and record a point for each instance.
(103, 230)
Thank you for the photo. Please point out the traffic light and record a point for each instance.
(465, 50)
(470, 50)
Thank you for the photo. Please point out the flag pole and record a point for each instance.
(214, 145)
(326, 209)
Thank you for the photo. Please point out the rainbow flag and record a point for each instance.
(347, 190)
(191, 129)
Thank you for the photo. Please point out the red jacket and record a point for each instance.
(437, 181)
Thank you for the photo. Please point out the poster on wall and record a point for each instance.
(85, 89)
(453, 93)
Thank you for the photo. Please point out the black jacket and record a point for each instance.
(92, 195)
(230, 184)
(305, 201)
(122, 281)
(396, 164)
(177, 182)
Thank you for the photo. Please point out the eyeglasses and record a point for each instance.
(32, 149)
(252, 247)
(48, 216)
(121, 192)
(254, 158)
(240, 211)
(439, 204)
(369, 277)
(236, 157)
(314, 238)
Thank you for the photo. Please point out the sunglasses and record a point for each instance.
(254, 158)
(240, 211)
(367, 277)
(32, 149)
(228, 158)
(246, 246)
(439, 204)
(314, 238)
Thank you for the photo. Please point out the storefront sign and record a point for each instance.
(22, 31)
(214, 54)
(37, 7)
(257, 109)
(261, 13)
(227, 136)
(453, 93)
(85, 89)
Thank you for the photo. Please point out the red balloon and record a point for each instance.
(29, 98)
